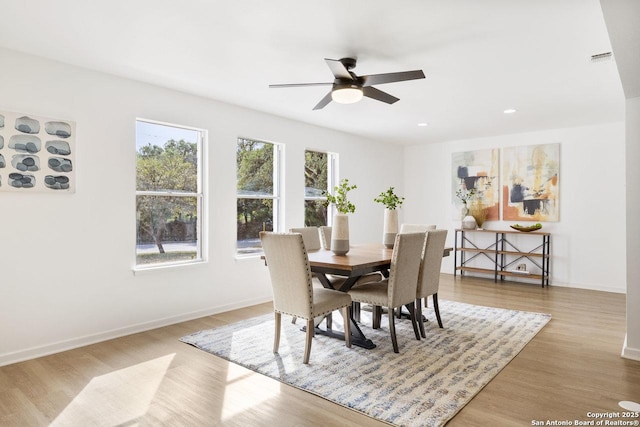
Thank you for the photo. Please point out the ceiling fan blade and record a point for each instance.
(378, 79)
(372, 92)
(323, 102)
(299, 85)
(338, 69)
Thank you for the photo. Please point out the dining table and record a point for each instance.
(361, 259)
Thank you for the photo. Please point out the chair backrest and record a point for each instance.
(325, 236)
(431, 261)
(416, 228)
(405, 268)
(310, 236)
(290, 273)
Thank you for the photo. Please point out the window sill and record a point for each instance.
(152, 269)
(248, 257)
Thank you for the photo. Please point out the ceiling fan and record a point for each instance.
(349, 88)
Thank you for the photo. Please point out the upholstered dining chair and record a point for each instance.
(293, 293)
(401, 286)
(429, 280)
(325, 236)
(313, 241)
(416, 228)
(311, 237)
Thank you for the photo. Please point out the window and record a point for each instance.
(258, 193)
(169, 196)
(318, 177)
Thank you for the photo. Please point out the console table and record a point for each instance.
(502, 254)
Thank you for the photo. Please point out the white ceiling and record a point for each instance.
(480, 57)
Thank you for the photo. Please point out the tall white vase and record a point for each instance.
(340, 234)
(390, 227)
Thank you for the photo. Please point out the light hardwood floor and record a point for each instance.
(573, 366)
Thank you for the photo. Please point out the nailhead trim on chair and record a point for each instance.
(310, 285)
(306, 263)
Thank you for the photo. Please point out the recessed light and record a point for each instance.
(510, 111)
(423, 124)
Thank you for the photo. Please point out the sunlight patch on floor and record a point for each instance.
(246, 389)
(116, 398)
(629, 405)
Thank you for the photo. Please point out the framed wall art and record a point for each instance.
(37, 154)
(476, 184)
(530, 190)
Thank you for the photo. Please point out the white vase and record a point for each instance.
(464, 210)
(390, 227)
(340, 234)
(469, 223)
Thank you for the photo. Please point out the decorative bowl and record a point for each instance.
(525, 229)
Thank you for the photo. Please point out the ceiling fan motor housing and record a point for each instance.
(348, 63)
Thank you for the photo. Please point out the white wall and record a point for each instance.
(66, 260)
(588, 243)
(632, 343)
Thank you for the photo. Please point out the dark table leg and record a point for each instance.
(403, 314)
(357, 336)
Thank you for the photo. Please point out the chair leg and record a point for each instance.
(293, 319)
(329, 321)
(347, 325)
(436, 308)
(412, 315)
(307, 347)
(376, 317)
(419, 317)
(392, 330)
(276, 338)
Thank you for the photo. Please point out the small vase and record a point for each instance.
(469, 223)
(340, 234)
(464, 210)
(479, 212)
(390, 227)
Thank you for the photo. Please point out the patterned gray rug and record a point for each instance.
(425, 385)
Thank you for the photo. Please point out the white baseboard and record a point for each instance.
(630, 353)
(589, 287)
(57, 347)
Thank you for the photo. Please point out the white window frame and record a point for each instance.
(278, 180)
(200, 195)
(332, 179)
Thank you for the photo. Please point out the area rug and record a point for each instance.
(426, 384)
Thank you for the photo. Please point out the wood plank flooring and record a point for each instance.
(573, 366)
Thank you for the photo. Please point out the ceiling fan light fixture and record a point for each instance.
(347, 94)
(348, 88)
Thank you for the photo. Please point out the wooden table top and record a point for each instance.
(360, 256)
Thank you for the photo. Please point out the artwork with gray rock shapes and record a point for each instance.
(38, 155)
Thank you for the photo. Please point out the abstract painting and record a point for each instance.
(531, 183)
(36, 154)
(476, 173)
